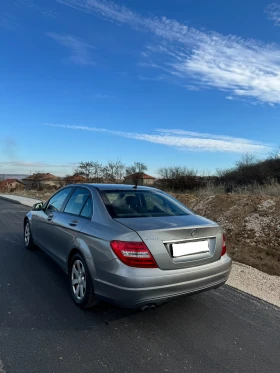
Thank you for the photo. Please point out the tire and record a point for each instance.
(28, 240)
(79, 277)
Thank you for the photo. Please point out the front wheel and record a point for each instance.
(81, 287)
(28, 240)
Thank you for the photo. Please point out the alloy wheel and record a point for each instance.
(78, 279)
(27, 234)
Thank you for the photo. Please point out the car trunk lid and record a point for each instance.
(178, 241)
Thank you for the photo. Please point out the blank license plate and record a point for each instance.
(189, 248)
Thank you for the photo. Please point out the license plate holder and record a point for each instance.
(190, 248)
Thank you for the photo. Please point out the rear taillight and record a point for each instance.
(224, 247)
(133, 254)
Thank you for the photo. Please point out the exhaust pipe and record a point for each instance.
(148, 307)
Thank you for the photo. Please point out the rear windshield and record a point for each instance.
(141, 203)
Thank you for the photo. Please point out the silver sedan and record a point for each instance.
(135, 247)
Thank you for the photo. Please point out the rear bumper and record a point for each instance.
(134, 287)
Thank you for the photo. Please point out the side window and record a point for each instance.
(77, 201)
(87, 210)
(154, 202)
(57, 201)
(124, 202)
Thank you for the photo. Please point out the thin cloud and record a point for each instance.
(79, 50)
(9, 148)
(36, 8)
(204, 135)
(8, 21)
(102, 96)
(37, 165)
(182, 140)
(273, 13)
(241, 67)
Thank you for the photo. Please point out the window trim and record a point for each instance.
(84, 217)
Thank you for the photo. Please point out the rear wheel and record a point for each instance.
(80, 282)
(28, 240)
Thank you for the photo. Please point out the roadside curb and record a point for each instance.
(11, 200)
(18, 202)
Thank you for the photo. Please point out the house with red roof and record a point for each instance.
(140, 178)
(75, 179)
(11, 185)
(42, 180)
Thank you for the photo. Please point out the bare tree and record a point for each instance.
(136, 170)
(115, 171)
(179, 178)
(97, 171)
(119, 171)
(246, 160)
(36, 183)
(85, 169)
(136, 167)
(275, 154)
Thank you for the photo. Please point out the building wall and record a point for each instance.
(148, 182)
(29, 184)
(10, 187)
(140, 181)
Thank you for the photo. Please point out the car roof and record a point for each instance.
(111, 186)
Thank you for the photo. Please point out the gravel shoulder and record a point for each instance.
(254, 282)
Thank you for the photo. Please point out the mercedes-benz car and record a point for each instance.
(134, 247)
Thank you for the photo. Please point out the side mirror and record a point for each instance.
(37, 206)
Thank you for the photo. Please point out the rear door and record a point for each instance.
(67, 225)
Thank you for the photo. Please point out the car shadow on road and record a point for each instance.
(106, 313)
(39, 288)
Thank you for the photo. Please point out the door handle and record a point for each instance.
(50, 217)
(73, 223)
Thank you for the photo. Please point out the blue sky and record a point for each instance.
(182, 82)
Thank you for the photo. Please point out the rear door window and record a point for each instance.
(77, 201)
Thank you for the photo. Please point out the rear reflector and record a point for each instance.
(224, 247)
(133, 254)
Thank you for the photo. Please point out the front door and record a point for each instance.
(43, 221)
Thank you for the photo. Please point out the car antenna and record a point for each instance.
(136, 181)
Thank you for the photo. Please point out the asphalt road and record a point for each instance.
(41, 330)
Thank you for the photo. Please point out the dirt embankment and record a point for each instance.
(251, 224)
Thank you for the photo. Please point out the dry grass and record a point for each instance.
(271, 188)
(210, 190)
(43, 194)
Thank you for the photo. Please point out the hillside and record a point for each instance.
(251, 224)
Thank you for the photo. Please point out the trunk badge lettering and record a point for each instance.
(194, 233)
(150, 238)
